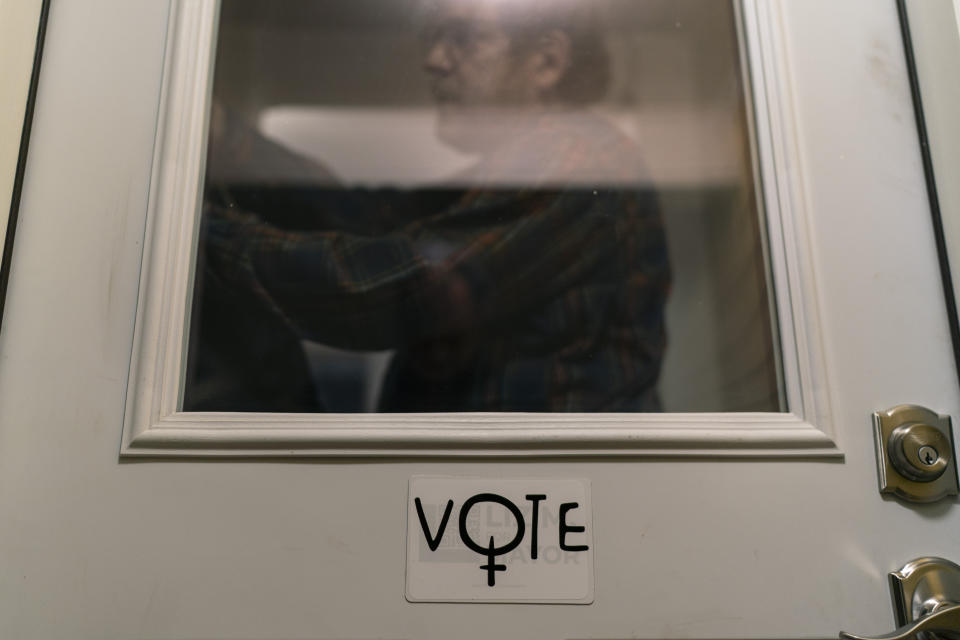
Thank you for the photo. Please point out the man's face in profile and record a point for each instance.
(483, 79)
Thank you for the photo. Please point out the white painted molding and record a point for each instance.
(766, 435)
(785, 200)
(154, 425)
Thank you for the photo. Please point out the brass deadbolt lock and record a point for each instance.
(915, 450)
(915, 453)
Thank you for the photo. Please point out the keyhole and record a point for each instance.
(928, 455)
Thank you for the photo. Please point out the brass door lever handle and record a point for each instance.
(944, 623)
(926, 601)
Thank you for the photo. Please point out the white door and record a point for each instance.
(760, 544)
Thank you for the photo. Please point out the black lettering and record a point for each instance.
(569, 528)
(492, 567)
(432, 542)
(491, 552)
(535, 498)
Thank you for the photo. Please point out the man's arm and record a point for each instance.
(358, 292)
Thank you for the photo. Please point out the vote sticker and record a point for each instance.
(499, 540)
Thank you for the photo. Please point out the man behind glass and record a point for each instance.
(539, 285)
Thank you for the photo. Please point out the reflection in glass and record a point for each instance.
(480, 205)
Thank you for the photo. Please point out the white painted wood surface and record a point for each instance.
(94, 547)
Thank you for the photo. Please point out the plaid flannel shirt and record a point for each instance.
(545, 299)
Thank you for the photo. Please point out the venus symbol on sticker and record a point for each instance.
(499, 540)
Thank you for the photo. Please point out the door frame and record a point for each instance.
(154, 425)
(931, 39)
(20, 56)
